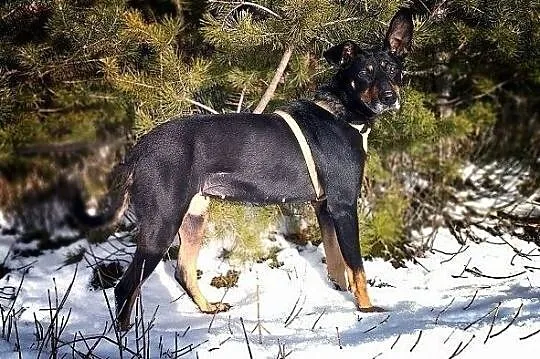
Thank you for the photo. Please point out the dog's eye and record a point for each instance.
(391, 70)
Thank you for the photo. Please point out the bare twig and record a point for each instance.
(444, 310)
(480, 274)
(450, 335)
(204, 107)
(215, 313)
(459, 349)
(297, 313)
(461, 250)
(271, 89)
(530, 335)
(463, 271)
(16, 295)
(247, 3)
(318, 318)
(479, 319)
(54, 319)
(415, 261)
(509, 324)
(375, 326)
(93, 337)
(240, 101)
(18, 342)
(246, 337)
(395, 342)
(492, 323)
(293, 309)
(472, 300)
(338, 338)
(417, 341)
(109, 308)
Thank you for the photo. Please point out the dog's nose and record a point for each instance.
(388, 97)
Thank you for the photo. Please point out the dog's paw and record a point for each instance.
(372, 309)
(216, 308)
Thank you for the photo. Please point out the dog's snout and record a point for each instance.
(388, 97)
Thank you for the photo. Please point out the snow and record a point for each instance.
(425, 304)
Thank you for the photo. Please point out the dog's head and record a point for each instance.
(369, 79)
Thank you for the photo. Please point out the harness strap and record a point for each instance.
(364, 132)
(363, 129)
(306, 152)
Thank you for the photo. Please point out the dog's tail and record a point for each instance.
(116, 203)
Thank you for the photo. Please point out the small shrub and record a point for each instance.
(226, 281)
(383, 229)
(245, 223)
(110, 273)
(75, 256)
(271, 257)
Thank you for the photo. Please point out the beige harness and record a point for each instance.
(306, 151)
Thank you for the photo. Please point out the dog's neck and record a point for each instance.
(331, 103)
(335, 102)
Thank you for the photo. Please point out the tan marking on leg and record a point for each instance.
(198, 205)
(191, 236)
(334, 260)
(358, 283)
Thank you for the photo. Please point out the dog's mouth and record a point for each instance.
(378, 100)
(377, 107)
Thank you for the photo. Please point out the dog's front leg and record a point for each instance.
(345, 220)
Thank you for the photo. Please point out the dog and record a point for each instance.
(309, 151)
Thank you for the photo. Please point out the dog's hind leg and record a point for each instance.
(334, 260)
(158, 223)
(191, 236)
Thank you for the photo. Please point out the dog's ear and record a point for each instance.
(399, 34)
(341, 55)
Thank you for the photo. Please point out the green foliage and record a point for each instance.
(414, 125)
(88, 70)
(52, 89)
(383, 228)
(246, 224)
(249, 40)
(480, 116)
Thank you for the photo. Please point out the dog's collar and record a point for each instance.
(363, 128)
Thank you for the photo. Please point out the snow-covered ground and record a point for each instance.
(433, 305)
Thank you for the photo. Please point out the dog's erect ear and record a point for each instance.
(342, 54)
(399, 34)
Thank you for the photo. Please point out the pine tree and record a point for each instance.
(87, 70)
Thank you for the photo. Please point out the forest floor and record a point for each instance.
(442, 306)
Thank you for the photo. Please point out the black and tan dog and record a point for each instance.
(169, 175)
